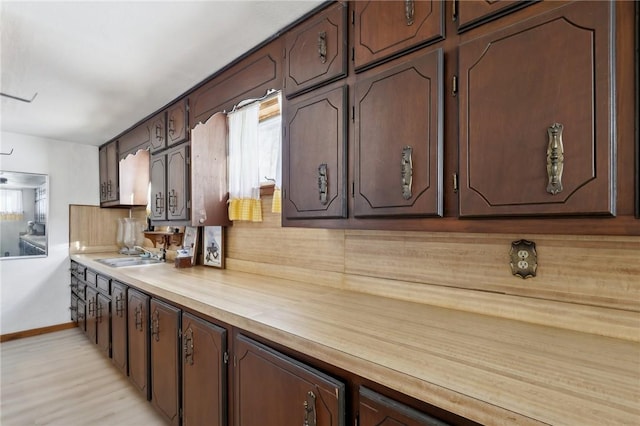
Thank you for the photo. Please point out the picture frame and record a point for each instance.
(213, 246)
(190, 242)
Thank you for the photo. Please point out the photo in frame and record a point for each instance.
(190, 242)
(213, 246)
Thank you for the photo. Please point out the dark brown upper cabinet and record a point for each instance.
(537, 133)
(384, 29)
(469, 14)
(316, 52)
(108, 168)
(169, 172)
(178, 123)
(314, 156)
(398, 139)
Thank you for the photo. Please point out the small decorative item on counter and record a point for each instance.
(213, 246)
(183, 259)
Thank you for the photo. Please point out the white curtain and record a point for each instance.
(244, 165)
(270, 141)
(11, 204)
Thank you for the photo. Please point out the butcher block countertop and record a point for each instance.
(491, 370)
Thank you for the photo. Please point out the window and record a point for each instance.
(11, 204)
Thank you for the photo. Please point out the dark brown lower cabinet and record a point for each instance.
(165, 360)
(138, 332)
(204, 373)
(103, 325)
(82, 320)
(378, 410)
(119, 326)
(271, 389)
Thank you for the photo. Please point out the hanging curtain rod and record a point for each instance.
(18, 98)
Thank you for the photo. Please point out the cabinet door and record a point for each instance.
(108, 170)
(316, 53)
(157, 133)
(537, 133)
(138, 334)
(314, 156)
(204, 373)
(272, 389)
(103, 325)
(165, 360)
(177, 123)
(119, 326)
(74, 308)
(384, 29)
(177, 181)
(473, 13)
(378, 410)
(398, 140)
(102, 169)
(92, 313)
(158, 176)
(209, 189)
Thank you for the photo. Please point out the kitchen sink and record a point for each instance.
(118, 262)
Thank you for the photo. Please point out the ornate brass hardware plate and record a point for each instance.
(322, 46)
(409, 11)
(310, 410)
(406, 164)
(524, 259)
(323, 184)
(555, 158)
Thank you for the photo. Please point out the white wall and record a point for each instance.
(34, 292)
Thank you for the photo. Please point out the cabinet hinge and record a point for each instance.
(189, 204)
(455, 182)
(353, 114)
(353, 189)
(353, 17)
(180, 411)
(179, 333)
(235, 361)
(454, 10)
(454, 86)
(353, 54)
(356, 421)
(225, 358)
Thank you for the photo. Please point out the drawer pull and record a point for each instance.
(155, 325)
(188, 346)
(555, 158)
(138, 318)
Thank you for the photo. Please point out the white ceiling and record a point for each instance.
(98, 67)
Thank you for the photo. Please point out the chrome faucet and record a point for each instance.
(160, 256)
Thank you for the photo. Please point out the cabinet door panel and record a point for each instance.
(158, 175)
(177, 123)
(515, 84)
(384, 29)
(378, 410)
(204, 381)
(82, 319)
(284, 387)
(398, 140)
(472, 13)
(165, 360)
(177, 180)
(138, 333)
(317, 52)
(314, 145)
(103, 325)
(157, 133)
(119, 326)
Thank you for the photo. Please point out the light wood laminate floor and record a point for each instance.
(62, 379)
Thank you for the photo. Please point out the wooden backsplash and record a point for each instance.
(584, 283)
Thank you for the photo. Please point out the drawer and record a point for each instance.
(80, 271)
(91, 277)
(104, 284)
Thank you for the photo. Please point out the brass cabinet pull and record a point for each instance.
(173, 201)
(323, 184)
(188, 346)
(155, 325)
(172, 129)
(406, 173)
(99, 312)
(92, 310)
(109, 187)
(159, 136)
(159, 203)
(103, 190)
(120, 305)
(310, 409)
(409, 11)
(555, 158)
(322, 46)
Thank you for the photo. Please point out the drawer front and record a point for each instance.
(91, 278)
(80, 271)
(104, 284)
